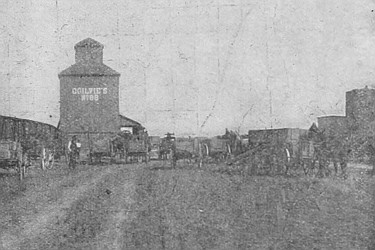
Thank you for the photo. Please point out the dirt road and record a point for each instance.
(61, 209)
(157, 207)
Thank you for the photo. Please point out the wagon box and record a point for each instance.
(94, 145)
(185, 144)
(218, 145)
(136, 146)
(307, 149)
(11, 157)
(99, 144)
(137, 149)
(5, 153)
(8, 149)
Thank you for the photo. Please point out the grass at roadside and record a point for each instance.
(196, 209)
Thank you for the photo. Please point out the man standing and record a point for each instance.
(73, 152)
(78, 149)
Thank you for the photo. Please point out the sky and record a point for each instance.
(194, 67)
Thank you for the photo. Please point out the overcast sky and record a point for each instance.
(194, 67)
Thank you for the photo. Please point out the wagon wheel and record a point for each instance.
(255, 164)
(308, 166)
(261, 163)
(23, 168)
(50, 162)
(229, 151)
(42, 157)
(267, 165)
(173, 159)
(205, 151)
(146, 158)
(287, 163)
(305, 165)
(66, 158)
(273, 165)
(20, 168)
(260, 166)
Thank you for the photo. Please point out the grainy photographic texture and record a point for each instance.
(223, 124)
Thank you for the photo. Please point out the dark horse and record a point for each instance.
(327, 150)
(318, 150)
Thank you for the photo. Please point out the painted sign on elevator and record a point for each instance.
(89, 94)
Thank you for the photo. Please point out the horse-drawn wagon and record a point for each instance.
(188, 149)
(137, 149)
(130, 147)
(12, 157)
(92, 147)
(276, 151)
(284, 150)
(217, 148)
(167, 147)
(29, 142)
(175, 149)
(154, 150)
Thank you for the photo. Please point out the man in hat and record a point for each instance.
(73, 151)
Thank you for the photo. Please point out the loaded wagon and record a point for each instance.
(12, 157)
(94, 147)
(154, 151)
(319, 150)
(217, 148)
(225, 146)
(167, 147)
(174, 149)
(43, 150)
(278, 150)
(41, 143)
(306, 155)
(129, 147)
(137, 149)
(281, 150)
(188, 149)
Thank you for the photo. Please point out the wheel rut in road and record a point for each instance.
(80, 215)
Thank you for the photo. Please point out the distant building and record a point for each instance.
(89, 94)
(360, 114)
(127, 124)
(358, 124)
(360, 111)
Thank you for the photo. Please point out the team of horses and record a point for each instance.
(315, 154)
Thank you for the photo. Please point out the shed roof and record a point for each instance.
(97, 69)
(125, 121)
